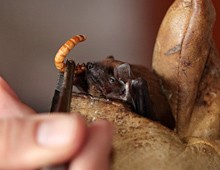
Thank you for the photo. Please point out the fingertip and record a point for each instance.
(5, 88)
(105, 127)
(10, 104)
(1, 79)
(96, 152)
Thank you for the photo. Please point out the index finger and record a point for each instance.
(10, 104)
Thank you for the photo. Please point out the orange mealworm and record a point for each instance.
(65, 49)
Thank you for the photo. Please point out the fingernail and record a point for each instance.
(104, 124)
(56, 132)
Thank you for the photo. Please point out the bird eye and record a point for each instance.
(111, 80)
(89, 66)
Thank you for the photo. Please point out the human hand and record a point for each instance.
(31, 141)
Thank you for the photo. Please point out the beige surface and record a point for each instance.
(186, 60)
(141, 144)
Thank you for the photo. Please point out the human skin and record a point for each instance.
(31, 141)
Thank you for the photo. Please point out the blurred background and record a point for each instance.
(31, 32)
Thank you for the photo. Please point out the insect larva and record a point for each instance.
(65, 49)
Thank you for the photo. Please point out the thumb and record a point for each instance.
(38, 141)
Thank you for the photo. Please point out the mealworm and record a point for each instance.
(64, 51)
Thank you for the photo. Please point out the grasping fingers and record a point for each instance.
(38, 141)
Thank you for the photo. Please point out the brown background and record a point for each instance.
(32, 31)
